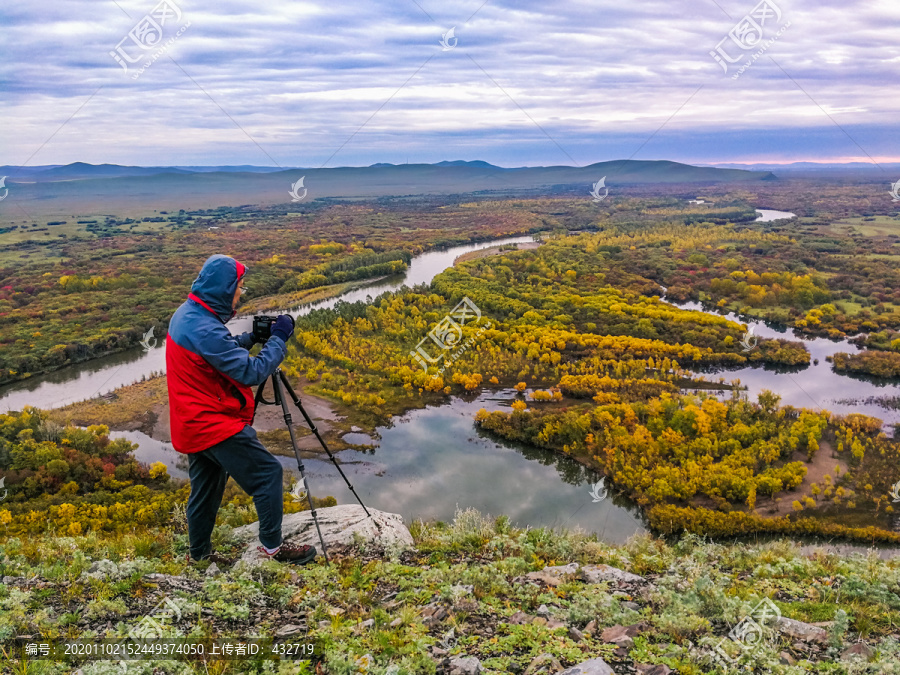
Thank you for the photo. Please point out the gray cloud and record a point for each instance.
(301, 79)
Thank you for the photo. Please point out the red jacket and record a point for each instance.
(209, 372)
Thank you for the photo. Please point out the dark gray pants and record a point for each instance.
(254, 468)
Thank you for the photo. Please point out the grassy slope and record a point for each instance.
(697, 592)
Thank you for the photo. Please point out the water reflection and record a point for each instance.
(150, 450)
(815, 386)
(768, 215)
(433, 460)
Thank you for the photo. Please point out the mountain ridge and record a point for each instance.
(87, 171)
(96, 189)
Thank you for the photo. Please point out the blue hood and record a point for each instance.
(216, 283)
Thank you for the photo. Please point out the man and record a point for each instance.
(210, 374)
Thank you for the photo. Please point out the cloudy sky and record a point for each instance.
(524, 83)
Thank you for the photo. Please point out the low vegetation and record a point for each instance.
(372, 610)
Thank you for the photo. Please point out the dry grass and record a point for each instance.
(131, 407)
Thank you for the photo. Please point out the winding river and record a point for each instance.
(100, 376)
(432, 461)
(426, 465)
(816, 386)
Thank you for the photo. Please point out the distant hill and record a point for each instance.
(107, 188)
(624, 170)
(475, 163)
(815, 166)
(249, 168)
(84, 171)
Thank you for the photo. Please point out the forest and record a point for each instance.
(100, 289)
(578, 333)
(608, 372)
(100, 292)
(78, 480)
(611, 367)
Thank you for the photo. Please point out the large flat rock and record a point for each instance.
(338, 525)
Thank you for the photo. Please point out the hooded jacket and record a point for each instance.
(209, 371)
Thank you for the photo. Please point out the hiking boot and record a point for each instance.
(290, 553)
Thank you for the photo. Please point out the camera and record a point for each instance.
(262, 327)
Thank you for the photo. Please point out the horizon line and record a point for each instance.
(874, 162)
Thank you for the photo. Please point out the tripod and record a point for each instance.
(279, 379)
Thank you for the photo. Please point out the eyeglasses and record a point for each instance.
(243, 289)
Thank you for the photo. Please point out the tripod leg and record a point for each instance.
(312, 427)
(279, 398)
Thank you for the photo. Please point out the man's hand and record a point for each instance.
(283, 327)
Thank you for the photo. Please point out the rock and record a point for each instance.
(468, 665)
(459, 590)
(595, 574)
(364, 662)
(560, 571)
(621, 635)
(617, 635)
(787, 659)
(14, 581)
(433, 613)
(289, 630)
(155, 577)
(592, 667)
(545, 663)
(543, 611)
(396, 622)
(614, 633)
(860, 650)
(575, 634)
(360, 627)
(797, 630)
(658, 669)
(544, 578)
(338, 525)
(213, 570)
(633, 606)
(170, 579)
(469, 606)
(591, 628)
(390, 596)
(101, 569)
(519, 618)
(555, 623)
(324, 623)
(336, 611)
